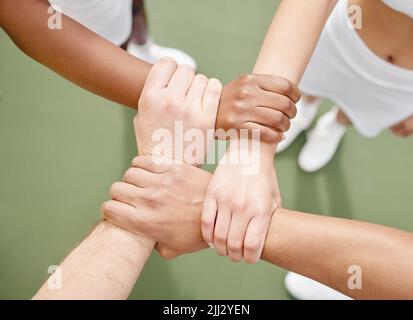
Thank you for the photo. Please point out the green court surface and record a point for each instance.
(62, 147)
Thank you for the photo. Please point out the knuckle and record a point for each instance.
(152, 97)
(129, 174)
(235, 258)
(285, 85)
(247, 78)
(156, 196)
(215, 87)
(235, 245)
(281, 122)
(166, 253)
(240, 106)
(287, 125)
(136, 161)
(116, 187)
(261, 209)
(150, 198)
(239, 206)
(299, 96)
(250, 260)
(290, 108)
(205, 223)
(236, 123)
(285, 104)
(220, 238)
(213, 191)
(223, 199)
(222, 253)
(187, 68)
(252, 245)
(107, 209)
(166, 61)
(244, 93)
(277, 119)
(270, 135)
(201, 77)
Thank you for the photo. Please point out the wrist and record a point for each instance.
(268, 149)
(252, 150)
(139, 243)
(273, 241)
(247, 144)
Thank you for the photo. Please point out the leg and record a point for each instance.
(323, 141)
(308, 98)
(140, 23)
(306, 111)
(142, 46)
(342, 118)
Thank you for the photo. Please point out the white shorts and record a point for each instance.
(373, 93)
(111, 19)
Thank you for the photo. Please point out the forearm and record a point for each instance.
(292, 37)
(327, 249)
(290, 42)
(74, 52)
(105, 265)
(324, 248)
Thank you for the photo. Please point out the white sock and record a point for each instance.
(306, 111)
(331, 121)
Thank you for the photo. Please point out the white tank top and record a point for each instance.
(111, 19)
(372, 92)
(403, 6)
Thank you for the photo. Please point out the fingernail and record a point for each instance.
(211, 245)
(283, 138)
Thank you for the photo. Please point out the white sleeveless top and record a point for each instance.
(403, 6)
(373, 93)
(111, 19)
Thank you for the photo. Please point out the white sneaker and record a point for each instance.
(303, 288)
(322, 142)
(151, 52)
(306, 112)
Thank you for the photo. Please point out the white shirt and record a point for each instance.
(111, 19)
(372, 92)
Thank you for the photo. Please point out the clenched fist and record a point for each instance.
(161, 201)
(264, 102)
(176, 109)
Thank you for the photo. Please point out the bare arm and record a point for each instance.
(105, 265)
(97, 65)
(108, 262)
(74, 52)
(292, 37)
(287, 48)
(324, 248)
(291, 40)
